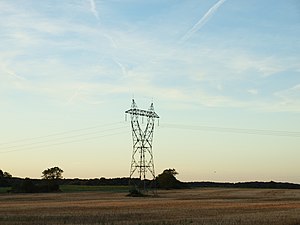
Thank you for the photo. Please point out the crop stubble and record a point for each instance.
(193, 206)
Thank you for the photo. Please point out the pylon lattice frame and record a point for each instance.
(142, 156)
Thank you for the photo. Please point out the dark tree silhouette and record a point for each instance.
(5, 174)
(167, 180)
(51, 176)
(172, 172)
(53, 173)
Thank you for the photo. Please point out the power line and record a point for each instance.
(61, 143)
(232, 130)
(60, 138)
(60, 133)
(67, 137)
(54, 139)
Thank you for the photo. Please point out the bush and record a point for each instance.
(28, 186)
(134, 192)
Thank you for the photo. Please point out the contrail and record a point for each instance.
(94, 9)
(75, 94)
(122, 67)
(112, 41)
(11, 72)
(202, 21)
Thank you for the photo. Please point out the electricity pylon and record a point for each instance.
(142, 157)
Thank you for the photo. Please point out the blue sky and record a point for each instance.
(67, 66)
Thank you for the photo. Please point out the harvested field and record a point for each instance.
(194, 206)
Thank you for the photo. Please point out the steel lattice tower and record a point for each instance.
(142, 156)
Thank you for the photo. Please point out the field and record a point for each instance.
(193, 206)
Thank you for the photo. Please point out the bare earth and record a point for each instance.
(195, 206)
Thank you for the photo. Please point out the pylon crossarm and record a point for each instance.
(141, 112)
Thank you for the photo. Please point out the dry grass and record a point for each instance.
(196, 206)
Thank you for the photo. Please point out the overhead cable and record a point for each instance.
(232, 130)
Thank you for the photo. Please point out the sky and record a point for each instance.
(224, 77)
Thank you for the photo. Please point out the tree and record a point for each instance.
(4, 179)
(172, 172)
(5, 174)
(53, 173)
(167, 179)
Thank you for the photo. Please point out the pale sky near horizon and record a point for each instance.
(224, 77)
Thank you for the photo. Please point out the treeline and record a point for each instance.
(48, 183)
(162, 183)
(123, 181)
(52, 178)
(15, 181)
(254, 184)
(27, 185)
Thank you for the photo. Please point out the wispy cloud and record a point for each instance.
(202, 21)
(94, 9)
(252, 91)
(89, 66)
(10, 72)
(290, 96)
(122, 67)
(75, 94)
